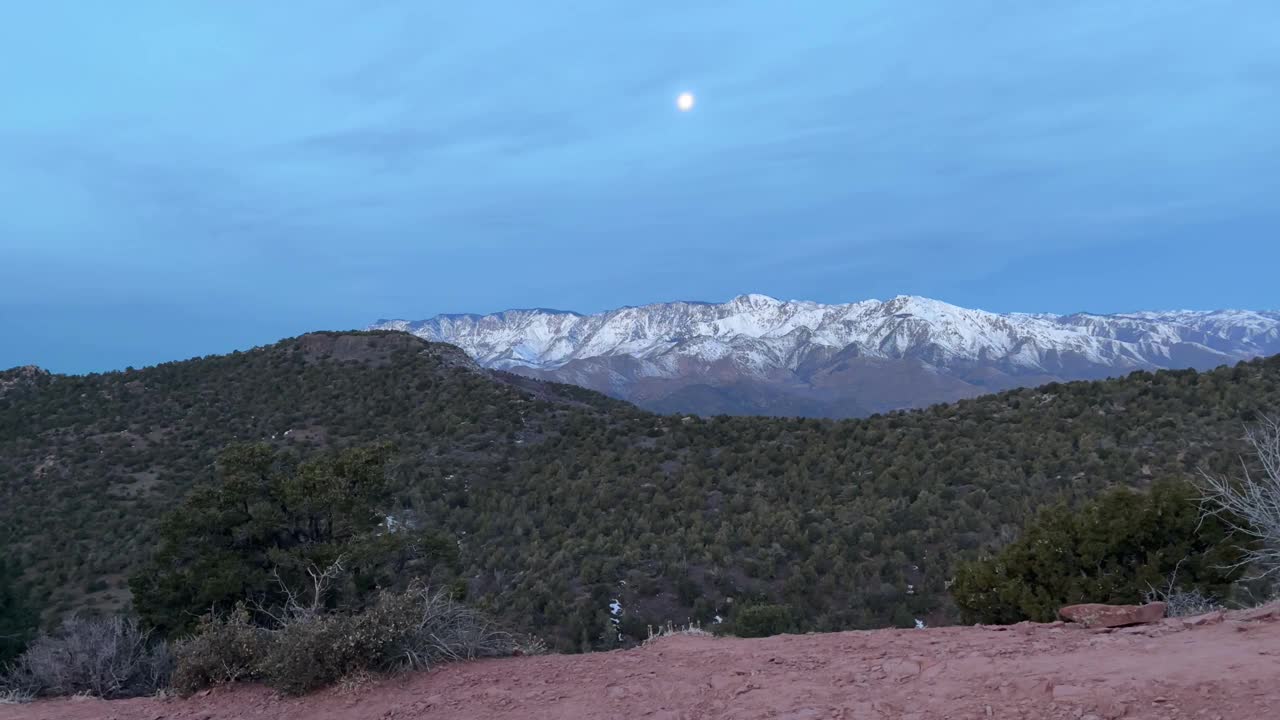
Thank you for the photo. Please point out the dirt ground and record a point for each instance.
(1215, 668)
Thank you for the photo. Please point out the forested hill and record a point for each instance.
(563, 500)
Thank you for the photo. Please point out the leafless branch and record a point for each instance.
(1250, 505)
(295, 607)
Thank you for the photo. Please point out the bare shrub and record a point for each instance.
(440, 629)
(530, 645)
(111, 658)
(308, 604)
(412, 630)
(1181, 602)
(355, 682)
(670, 629)
(15, 696)
(308, 648)
(1250, 505)
(1184, 603)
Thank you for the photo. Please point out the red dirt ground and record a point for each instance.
(1223, 668)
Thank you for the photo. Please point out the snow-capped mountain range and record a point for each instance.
(757, 354)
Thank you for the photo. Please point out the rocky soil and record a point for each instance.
(1215, 667)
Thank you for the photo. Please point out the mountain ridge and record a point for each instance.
(838, 360)
(564, 501)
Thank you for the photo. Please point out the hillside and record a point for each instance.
(757, 355)
(563, 501)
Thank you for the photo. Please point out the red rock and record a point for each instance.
(1211, 618)
(1106, 616)
(1266, 612)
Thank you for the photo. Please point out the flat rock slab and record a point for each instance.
(1100, 615)
(1265, 612)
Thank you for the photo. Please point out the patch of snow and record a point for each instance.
(759, 333)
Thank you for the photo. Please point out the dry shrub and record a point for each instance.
(224, 649)
(355, 682)
(307, 649)
(15, 696)
(107, 658)
(402, 631)
(1179, 601)
(670, 629)
(1182, 603)
(527, 645)
(437, 629)
(1185, 603)
(312, 653)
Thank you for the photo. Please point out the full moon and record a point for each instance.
(685, 101)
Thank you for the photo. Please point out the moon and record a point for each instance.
(685, 101)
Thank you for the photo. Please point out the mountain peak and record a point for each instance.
(755, 300)
(374, 348)
(900, 303)
(21, 376)
(25, 371)
(801, 346)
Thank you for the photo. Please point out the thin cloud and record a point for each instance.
(475, 155)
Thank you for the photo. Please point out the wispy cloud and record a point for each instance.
(352, 158)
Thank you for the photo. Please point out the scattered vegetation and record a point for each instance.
(108, 658)
(1113, 550)
(305, 575)
(558, 500)
(309, 648)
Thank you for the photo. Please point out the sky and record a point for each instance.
(186, 178)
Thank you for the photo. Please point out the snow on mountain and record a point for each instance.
(758, 334)
(758, 355)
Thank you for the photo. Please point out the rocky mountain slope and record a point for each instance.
(758, 355)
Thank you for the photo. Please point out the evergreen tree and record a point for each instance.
(1113, 550)
(18, 619)
(269, 524)
(762, 620)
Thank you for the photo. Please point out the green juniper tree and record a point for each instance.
(1112, 550)
(18, 618)
(269, 522)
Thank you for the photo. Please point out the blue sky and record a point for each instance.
(185, 178)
